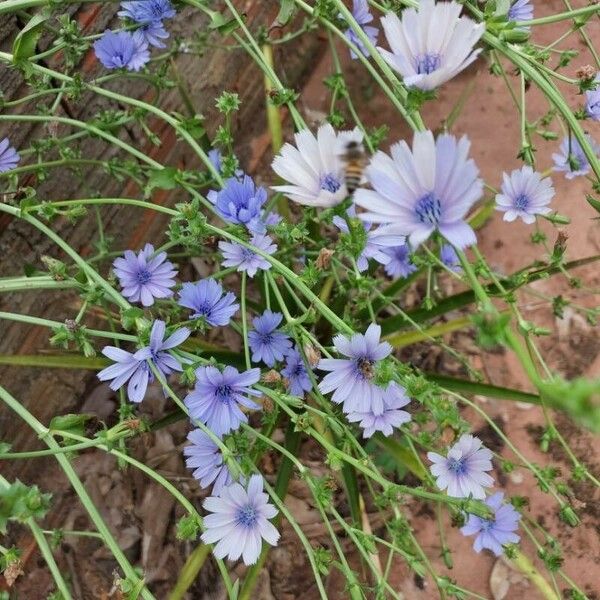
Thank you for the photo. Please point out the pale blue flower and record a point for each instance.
(208, 301)
(495, 532)
(521, 10)
(205, 457)
(239, 521)
(378, 241)
(362, 15)
(385, 417)
(134, 369)
(351, 378)
(426, 189)
(9, 157)
(449, 258)
(525, 193)
(430, 44)
(245, 259)
(154, 32)
(145, 277)
(217, 397)
(268, 344)
(122, 49)
(592, 101)
(399, 265)
(147, 11)
(463, 471)
(572, 159)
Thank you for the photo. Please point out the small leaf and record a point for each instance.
(71, 423)
(26, 41)
(221, 24)
(286, 12)
(502, 8)
(165, 179)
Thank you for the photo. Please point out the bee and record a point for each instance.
(354, 159)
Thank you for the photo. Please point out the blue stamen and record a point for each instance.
(429, 209)
(330, 183)
(428, 63)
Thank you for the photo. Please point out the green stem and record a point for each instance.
(80, 490)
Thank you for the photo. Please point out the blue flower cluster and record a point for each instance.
(131, 49)
(463, 474)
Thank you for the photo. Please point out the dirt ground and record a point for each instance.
(144, 516)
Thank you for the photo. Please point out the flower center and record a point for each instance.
(247, 516)
(144, 276)
(247, 254)
(365, 367)
(223, 393)
(487, 524)
(330, 183)
(429, 209)
(521, 202)
(457, 466)
(266, 339)
(427, 63)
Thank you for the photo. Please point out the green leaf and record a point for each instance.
(502, 8)
(74, 423)
(26, 41)
(165, 179)
(286, 12)
(21, 502)
(219, 23)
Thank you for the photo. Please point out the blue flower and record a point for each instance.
(295, 373)
(217, 397)
(525, 194)
(449, 258)
(386, 417)
(592, 101)
(157, 350)
(399, 264)
(266, 343)
(122, 49)
(418, 192)
(430, 44)
(572, 160)
(246, 260)
(378, 241)
(463, 471)
(206, 299)
(240, 201)
(127, 369)
(494, 533)
(134, 369)
(239, 521)
(351, 379)
(9, 157)
(521, 10)
(144, 277)
(154, 32)
(361, 14)
(147, 11)
(204, 456)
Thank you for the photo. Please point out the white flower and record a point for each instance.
(431, 44)
(314, 167)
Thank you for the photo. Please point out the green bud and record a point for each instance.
(569, 516)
